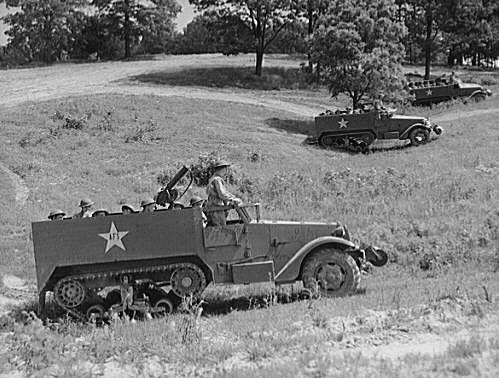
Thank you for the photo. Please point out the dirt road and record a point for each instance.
(43, 83)
(36, 84)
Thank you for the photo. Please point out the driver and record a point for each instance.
(218, 195)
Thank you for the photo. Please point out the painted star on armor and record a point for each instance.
(429, 92)
(343, 124)
(113, 238)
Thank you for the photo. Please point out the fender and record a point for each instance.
(478, 92)
(291, 270)
(415, 126)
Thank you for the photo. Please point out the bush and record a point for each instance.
(70, 122)
(204, 168)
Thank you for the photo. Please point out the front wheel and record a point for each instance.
(331, 272)
(419, 136)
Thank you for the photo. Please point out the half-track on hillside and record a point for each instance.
(146, 262)
(357, 130)
(427, 92)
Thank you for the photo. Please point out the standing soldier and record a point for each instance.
(148, 205)
(218, 195)
(86, 209)
(56, 215)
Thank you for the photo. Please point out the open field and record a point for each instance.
(114, 136)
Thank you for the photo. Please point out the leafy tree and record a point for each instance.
(133, 20)
(357, 44)
(265, 19)
(42, 30)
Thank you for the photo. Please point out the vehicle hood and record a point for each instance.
(406, 117)
(470, 85)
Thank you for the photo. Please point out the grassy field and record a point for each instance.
(433, 206)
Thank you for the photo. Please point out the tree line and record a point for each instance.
(354, 46)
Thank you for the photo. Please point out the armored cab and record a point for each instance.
(427, 92)
(357, 130)
(146, 262)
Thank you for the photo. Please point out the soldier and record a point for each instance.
(127, 209)
(86, 209)
(56, 215)
(100, 213)
(218, 195)
(148, 205)
(197, 201)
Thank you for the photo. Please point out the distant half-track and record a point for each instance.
(357, 130)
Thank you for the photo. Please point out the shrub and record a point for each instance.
(70, 122)
(204, 168)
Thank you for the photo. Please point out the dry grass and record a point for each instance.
(437, 202)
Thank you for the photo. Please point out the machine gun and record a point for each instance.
(169, 194)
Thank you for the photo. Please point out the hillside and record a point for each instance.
(112, 136)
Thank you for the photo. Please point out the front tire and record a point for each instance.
(419, 136)
(331, 272)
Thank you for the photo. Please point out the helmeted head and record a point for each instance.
(148, 205)
(56, 214)
(100, 213)
(127, 209)
(221, 166)
(86, 204)
(196, 201)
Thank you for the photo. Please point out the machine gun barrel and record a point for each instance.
(168, 194)
(178, 176)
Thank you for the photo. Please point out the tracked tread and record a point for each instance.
(327, 256)
(78, 314)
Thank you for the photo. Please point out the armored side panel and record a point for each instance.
(344, 123)
(115, 241)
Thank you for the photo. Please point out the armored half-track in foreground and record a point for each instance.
(357, 130)
(427, 92)
(146, 262)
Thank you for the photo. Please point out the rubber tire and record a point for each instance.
(479, 97)
(331, 256)
(419, 131)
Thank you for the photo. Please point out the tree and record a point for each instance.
(42, 30)
(133, 20)
(358, 45)
(265, 19)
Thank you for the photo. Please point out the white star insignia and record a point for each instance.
(343, 124)
(113, 238)
(429, 92)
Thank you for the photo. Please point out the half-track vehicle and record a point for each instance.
(357, 130)
(146, 262)
(441, 89)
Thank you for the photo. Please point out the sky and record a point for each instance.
(183, 19)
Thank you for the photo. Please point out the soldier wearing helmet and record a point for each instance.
(100, 213)
(127, 209)
(218, 195)
(148, 205)
(197, 201)
(86, 209)
(56, 215)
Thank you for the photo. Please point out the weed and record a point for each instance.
(107, 121)
(69, 121)
(142, 134)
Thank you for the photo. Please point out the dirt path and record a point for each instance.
(20, 189)
(37, 84)
(44, 83)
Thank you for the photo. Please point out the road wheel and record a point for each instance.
(95, 313)
(331, 273)
(69, 293)
(419, 136)
(163, 307)
(188, 279)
